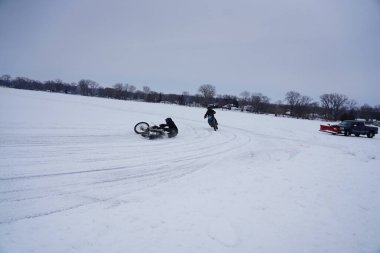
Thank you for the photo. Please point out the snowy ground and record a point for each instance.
(74, 177)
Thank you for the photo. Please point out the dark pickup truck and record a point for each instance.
(349, 127)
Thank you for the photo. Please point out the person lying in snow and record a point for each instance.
(170, 128)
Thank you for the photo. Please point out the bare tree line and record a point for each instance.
(331, 106)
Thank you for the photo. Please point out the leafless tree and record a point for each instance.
(366, 112)
(152, 96)
(244, 98)
(300, 106)
(333, 104)
(376, 112)
(87, 87)
(146, 90)
(93, 86)
(227, 100)
(118, 87)
(351, 105)
(207, 92)
(258, 102)
(84, 88)
(109, 92)
(125, 92)
(131, 88)
(185, 98)
(5, 78)
(326, 103)
(303, 109)
(339, 101)
(293, 98)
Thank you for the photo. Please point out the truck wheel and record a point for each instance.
(357, 135)
(370, 135)
(347, 133)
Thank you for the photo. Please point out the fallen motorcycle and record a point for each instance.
(150, 132)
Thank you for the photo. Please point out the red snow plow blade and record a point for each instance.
(329, 129)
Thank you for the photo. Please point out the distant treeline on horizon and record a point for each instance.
(331, 106)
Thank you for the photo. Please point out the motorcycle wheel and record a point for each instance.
(141, 127)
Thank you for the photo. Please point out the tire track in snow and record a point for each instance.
(199, 147)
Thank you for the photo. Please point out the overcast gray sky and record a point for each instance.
(310, 46)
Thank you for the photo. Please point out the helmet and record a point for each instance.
(168, 120)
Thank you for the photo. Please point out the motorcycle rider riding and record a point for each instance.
(210, 114)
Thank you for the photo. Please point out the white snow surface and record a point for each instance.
(74, 177)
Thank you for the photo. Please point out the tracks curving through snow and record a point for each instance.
(58, 172)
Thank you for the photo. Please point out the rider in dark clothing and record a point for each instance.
(210, 115)
(169, 127)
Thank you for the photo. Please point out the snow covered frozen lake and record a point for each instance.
(74, 177)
